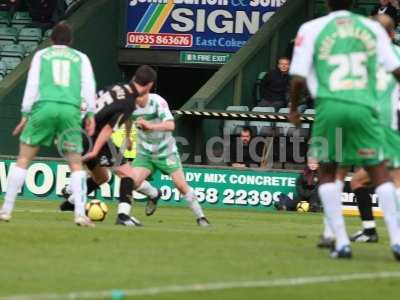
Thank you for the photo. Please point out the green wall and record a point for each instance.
(95, 29)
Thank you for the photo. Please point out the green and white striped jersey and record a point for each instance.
(388, 95)
(60, 74)
(339, 55)
(159, 144)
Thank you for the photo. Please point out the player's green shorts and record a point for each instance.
(166, 165)
(50, 122)
(392, 147)
(346, 133)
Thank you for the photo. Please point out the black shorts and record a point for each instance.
(109, 155)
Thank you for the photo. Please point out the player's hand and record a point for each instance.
(144, 125)
(90, 155)
(90, 125)
(294, 118)
(20, 126)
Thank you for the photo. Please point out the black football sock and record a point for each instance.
(364, 202)
(125, 196)
(91, 185)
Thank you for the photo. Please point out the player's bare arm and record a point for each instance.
(297, 86)
(102, 139)
(163, 126)
(21, 125)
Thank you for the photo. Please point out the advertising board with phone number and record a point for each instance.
(160, 39)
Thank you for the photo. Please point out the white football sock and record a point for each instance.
(15, 181)
(78, 187)
(194, 205)
(147, 189)
(328, 232)
(388, 201)
(124, 208)
(331, 200)
(368, 224)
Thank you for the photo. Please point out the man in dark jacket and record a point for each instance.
(385, 7)
(240, 151)
(276, 85)
(42, 11)
(307, 187)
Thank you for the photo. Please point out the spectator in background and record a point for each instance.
(10, 5)
(307, 186)
(276, 86)
(240, 154)
(42, 12)
(385, 7)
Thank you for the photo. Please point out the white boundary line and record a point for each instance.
(152, 291)
(39, 211)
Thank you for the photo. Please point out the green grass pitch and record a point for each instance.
(42, 252)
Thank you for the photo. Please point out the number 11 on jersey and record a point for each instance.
(61, 72)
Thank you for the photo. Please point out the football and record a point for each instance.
(303, 206)
(96, 210)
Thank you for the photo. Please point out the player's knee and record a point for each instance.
(182, 186)
(23, 162)
(185, 189)
(126, 189)
(101, 178)
(75, 167)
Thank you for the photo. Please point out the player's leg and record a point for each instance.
(78, 188)
(39, 131)
(98, 170)
(328, 237)
(386, 192)
(69, 141)
(328, 144)
(16, 179)
(98, 176)
(153, 195)
(369, 144)
(359, 183)
(144, 188)
(331, 199)
(187, 192)
(172, 166)
(393, 139)
(129, 176)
